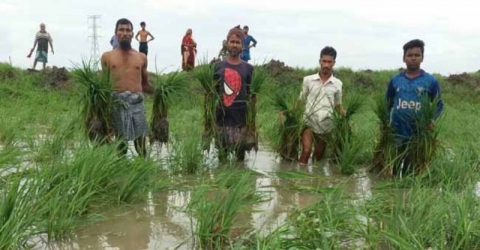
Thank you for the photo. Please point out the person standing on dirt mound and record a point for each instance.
(42, 40)
(322, 93)
(404, 99)
(233, 79)
(129, 76)
(247, 44)
(144, 34)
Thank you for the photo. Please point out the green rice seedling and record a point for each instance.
(385, 151)
(287, 132)
(425, 144)
(134, 180)
(165, 86)
(344, 147)
(327, 224)
(204, 74)
(17, 213)
(185, 155)
(348, 157)
(9, 131)
(259, 79)
(272, 241)
(463, 223)
(459, 172)
(228, 179)
(97, 101)
(422, 218)
(9, 157)
(215, 211)
(55, 145)
(63, 207)
(94, 175)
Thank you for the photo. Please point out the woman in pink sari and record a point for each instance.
(189, 51)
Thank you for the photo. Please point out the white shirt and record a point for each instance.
(320, 100)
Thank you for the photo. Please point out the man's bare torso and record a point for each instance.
(143, 35)
(125, 69)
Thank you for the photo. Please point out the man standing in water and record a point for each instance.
(42, 39)
(404, 98)
(233, 77)
(129, 76)
(143, 33)
(247, 44)
(322, 93)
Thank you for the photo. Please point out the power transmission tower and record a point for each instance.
(94, 26)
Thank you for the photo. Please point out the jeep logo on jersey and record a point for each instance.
(231, 86)
(402, 104)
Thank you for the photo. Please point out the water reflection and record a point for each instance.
(161, 222)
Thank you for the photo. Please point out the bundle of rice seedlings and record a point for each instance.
(290, 127)
(341, 141)
(384, 152)
(420, 150)
(425, 144)
(165, 87)
(215, 211)
(97, 100)
(259, 78)
(204, 75)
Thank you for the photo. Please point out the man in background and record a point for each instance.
(247, 44)
(144, 34)
(42, 40)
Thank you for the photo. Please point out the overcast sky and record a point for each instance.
(366, 34)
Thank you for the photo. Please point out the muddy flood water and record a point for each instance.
(161, 223)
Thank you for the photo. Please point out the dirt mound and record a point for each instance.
(53, 76)
(277, 68)
(465, 79)
(282, 73)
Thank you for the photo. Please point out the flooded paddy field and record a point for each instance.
(60, 191)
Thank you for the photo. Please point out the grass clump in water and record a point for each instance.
(259, 79)
(384, 152)
(17, 213)
(215, 211)
(204, 75)
(97, 101)
(287, 132)
(165, 87)
(425, 144)
(344, 146)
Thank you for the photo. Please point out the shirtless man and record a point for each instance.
(143, 33)
(129, 76)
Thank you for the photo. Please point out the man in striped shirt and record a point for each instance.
(42, 40)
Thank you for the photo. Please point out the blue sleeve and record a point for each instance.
(390, 95)
(435, 92)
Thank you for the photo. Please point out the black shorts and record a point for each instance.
(143, 48)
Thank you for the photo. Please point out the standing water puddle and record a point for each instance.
(161, 223)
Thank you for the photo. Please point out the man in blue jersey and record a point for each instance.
(404, 97)
(247, 44)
